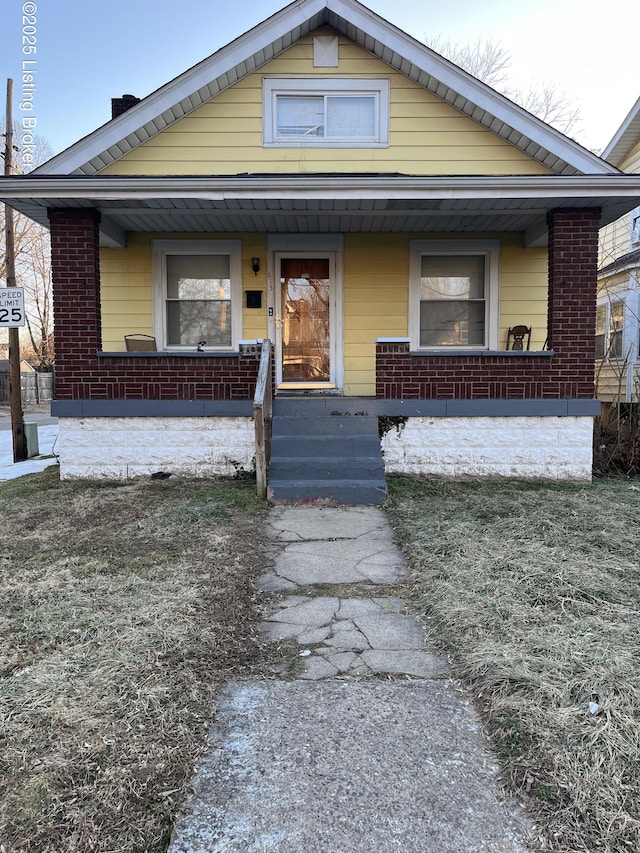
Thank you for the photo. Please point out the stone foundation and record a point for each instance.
(123, 448)
(530, 448)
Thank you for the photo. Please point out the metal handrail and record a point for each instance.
(262, 412)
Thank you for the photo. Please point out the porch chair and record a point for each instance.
(140, 343)
(516, 336)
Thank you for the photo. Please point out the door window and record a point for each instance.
(305, 294)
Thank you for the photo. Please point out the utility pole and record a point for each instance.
(15, 395)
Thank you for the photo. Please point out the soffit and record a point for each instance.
(323, 204)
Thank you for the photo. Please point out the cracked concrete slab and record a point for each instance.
(351, 607)
(317, 668)
(375, 638)
(344, 561)
(391, 631)
(343, 661)
(348, 639)
(316, 635)
(347, 767)
(339, 759)
(270, 582)
(304, 523)
(420, 664)
(279, 630)
(313, 612)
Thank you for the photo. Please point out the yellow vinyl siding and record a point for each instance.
(427, 136)
(614, 284)
(126, 287)
(614, 240)
(631, 162)
(254, 320)
(611, 382)
(523, 290)
(375, 293)
(376, 296)
(612, 379)
(125, 290)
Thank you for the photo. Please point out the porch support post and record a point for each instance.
(75, 264)
(571, 320)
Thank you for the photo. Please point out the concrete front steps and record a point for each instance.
(321, 450)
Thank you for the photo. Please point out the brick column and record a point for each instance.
(75, 267)
(573, 263)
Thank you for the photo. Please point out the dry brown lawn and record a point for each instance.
(534, 592)
(122, 608)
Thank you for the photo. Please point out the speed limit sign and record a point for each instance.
(12, 307)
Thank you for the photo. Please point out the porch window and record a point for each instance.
(454, 301)
(197, 293)
(326, 113)
(198, 300)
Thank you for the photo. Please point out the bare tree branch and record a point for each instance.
(490, 62)
(486, 60)
(33, 267)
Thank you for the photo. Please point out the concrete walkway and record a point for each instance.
(369, 747)
(47, 439)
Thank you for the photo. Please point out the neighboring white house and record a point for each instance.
(618, 312)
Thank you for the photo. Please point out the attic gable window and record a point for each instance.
(326, 113)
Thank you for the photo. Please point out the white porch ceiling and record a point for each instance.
(323, 203)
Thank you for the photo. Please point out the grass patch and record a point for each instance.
(534, 592)
(122, 609)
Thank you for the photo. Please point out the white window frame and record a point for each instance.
(159, 251)
(275, 87)
(602, 311)
(491, 251)
(612, 331)
(630, 336)
(634, 228)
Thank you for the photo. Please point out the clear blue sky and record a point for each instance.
(88, 52)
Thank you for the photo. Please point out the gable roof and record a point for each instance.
(624, 138)
(246, 54)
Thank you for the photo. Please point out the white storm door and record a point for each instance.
(306, 315)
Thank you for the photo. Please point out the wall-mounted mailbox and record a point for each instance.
(254, 298)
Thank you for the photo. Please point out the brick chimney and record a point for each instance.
(121, 105)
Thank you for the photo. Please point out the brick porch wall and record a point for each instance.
(169, 377)
(81, 374)
(569, 372)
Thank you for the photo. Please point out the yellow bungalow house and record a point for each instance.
(618, 310)
(421, 252)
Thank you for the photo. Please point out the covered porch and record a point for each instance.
(201, 401)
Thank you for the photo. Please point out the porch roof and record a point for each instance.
(626, 262)
(341, 203)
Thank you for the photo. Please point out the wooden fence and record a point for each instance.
(35, 387)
